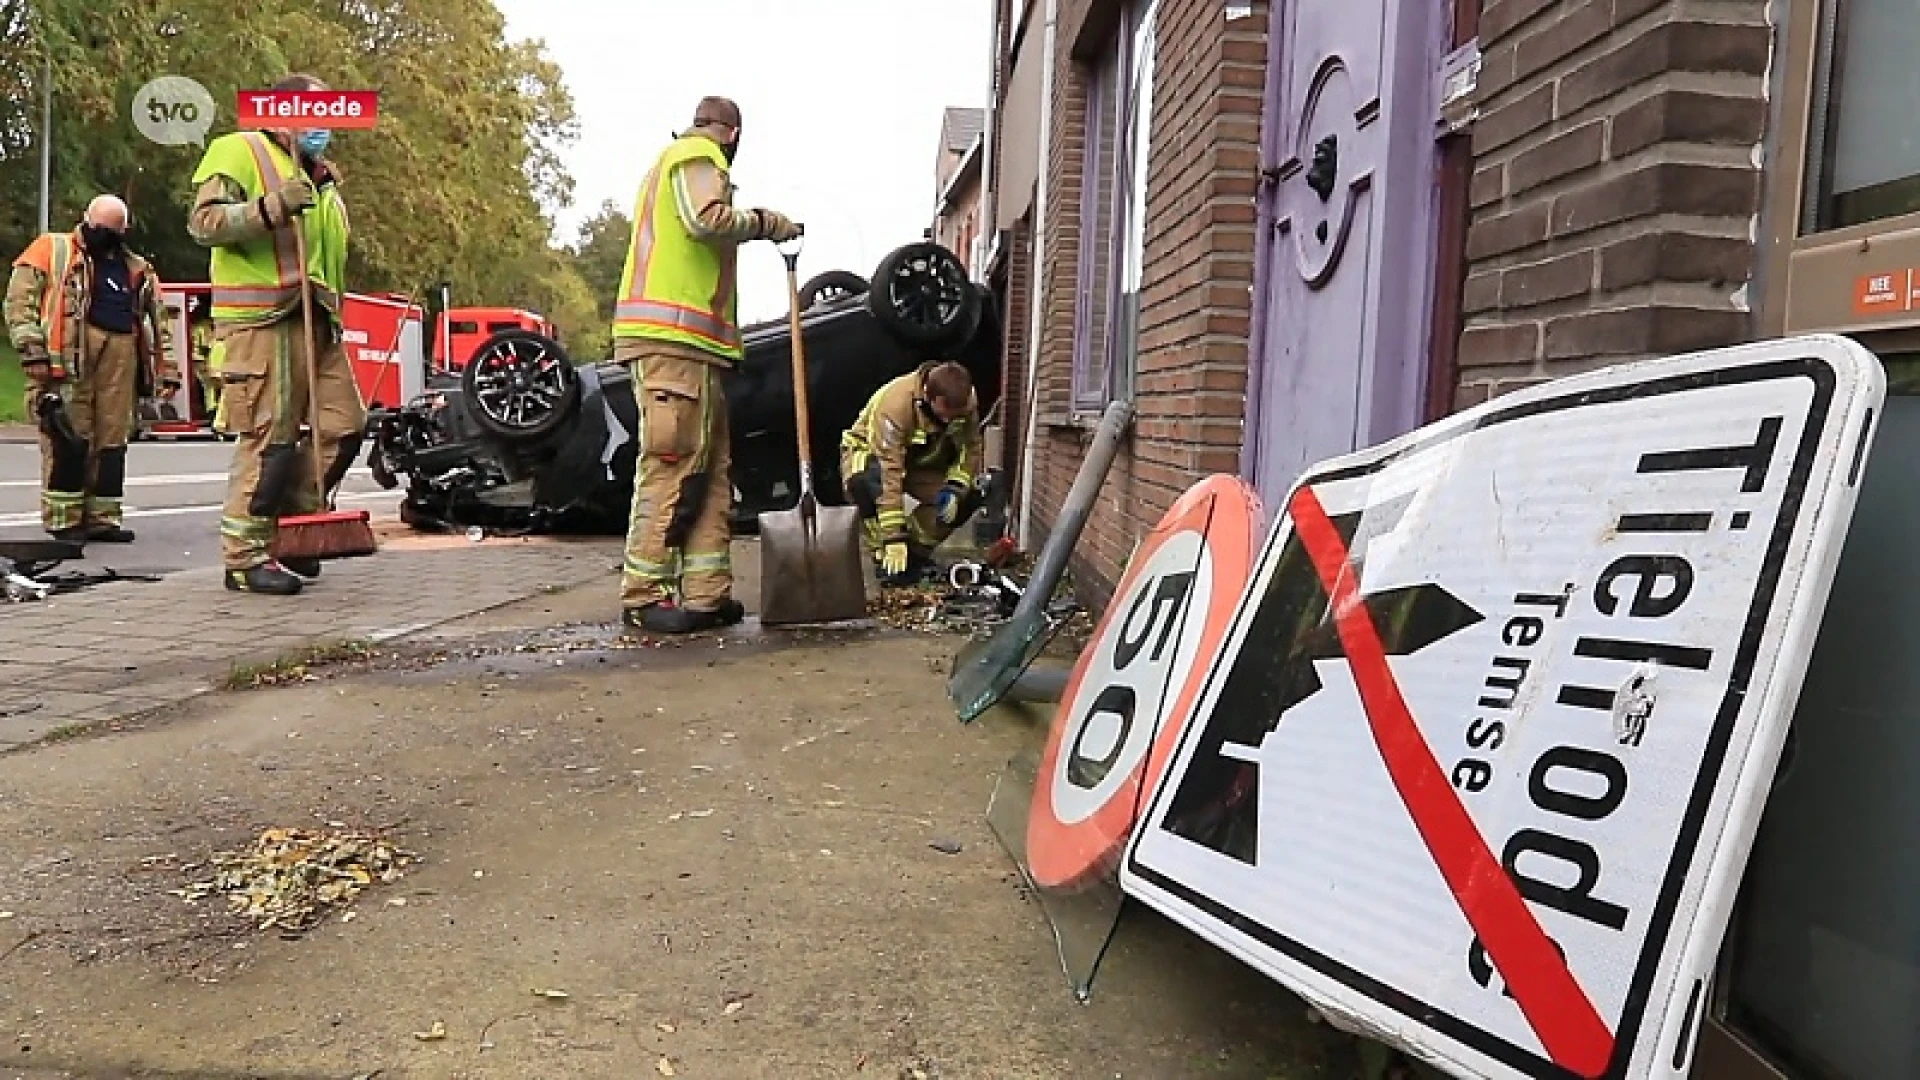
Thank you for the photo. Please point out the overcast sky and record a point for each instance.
(841, 101)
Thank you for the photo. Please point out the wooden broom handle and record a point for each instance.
(313, 366)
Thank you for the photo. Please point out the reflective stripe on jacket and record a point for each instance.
(676, 287)
(259, 281)
(47, 300)
(893, 430)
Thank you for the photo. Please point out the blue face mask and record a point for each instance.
(315, 142)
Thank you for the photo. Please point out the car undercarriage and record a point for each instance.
(523, 439)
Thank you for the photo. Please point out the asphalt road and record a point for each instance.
(174, 490)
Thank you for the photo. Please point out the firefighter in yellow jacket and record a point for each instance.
(253, 188)
(676, 325)
(84, 313)
(919, 435)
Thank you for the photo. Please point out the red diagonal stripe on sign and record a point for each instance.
(1554, 1004)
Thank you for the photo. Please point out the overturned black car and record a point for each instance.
(523, 439)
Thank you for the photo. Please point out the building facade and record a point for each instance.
(1143, 266)
(957, 184)
(1288, 231)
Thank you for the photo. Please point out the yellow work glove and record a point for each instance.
(893, 558)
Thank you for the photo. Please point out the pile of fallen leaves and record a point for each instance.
(908, 609)
(290, 878)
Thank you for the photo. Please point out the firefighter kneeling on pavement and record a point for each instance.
(84, 313)
(919, 435)
(676, 326)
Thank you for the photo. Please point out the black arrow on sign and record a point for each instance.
(1217, 803)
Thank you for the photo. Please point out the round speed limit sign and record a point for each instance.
(1137, 681)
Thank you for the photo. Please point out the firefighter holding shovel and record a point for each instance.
(254, 188)
(84, 313)
(676, 324)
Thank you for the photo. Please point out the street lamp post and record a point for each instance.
(46, 139)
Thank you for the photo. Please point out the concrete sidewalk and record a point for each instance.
(125, 648)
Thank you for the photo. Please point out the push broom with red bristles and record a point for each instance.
(329, 533)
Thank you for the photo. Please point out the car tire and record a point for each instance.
(377, 465)
(520, 386)
(830, 286)
(922, 296)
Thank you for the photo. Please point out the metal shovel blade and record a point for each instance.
(811, 568)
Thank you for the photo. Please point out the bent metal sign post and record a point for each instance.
(1480, 762)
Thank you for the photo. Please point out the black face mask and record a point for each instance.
(99, 240)
(730, 149)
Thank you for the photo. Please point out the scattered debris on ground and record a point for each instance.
(915, 609)
(966, 597)
(290, 878)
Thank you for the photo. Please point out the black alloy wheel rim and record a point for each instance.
(519, 383)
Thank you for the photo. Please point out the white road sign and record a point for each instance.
(1479, 766)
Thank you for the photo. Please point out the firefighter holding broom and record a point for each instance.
(263, 199)
(676, 325)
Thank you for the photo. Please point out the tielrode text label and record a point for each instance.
(1571, 783)
(351, 109)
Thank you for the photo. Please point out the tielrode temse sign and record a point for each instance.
(1480, 762)
(339, 109)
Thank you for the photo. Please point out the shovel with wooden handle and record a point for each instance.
(811, 567)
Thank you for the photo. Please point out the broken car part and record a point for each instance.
(984, 670)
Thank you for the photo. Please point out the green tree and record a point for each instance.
(460, 179)
(599, 256)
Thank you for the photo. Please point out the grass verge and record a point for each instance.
(13, 386)
(296, 666)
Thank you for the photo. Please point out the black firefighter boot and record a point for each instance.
(269, 578)
(666, 617)
(110, 483)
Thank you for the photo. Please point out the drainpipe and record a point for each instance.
(994, 29)
(1037, 290)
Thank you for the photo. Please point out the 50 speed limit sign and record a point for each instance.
(1130, 693)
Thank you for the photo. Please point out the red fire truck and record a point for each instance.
(384, 337)
(466, 328)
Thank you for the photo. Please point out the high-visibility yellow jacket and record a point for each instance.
(893, 430)
(678, 286)
(258, 280)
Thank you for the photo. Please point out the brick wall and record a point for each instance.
(1016, 317)
(956, 228)
(1203, 161)
(1614, 191)
(1016, 253)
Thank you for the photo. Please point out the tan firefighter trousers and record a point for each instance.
(84, 486)
(263, 404)
(680, 527)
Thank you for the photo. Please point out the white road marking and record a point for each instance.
(33, 518)
(168, 479)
